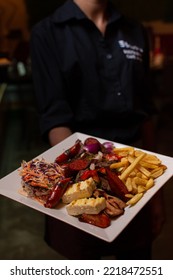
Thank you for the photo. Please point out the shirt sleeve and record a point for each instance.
(49, 85)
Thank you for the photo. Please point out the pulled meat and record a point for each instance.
(114, 205)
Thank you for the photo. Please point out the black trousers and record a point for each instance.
(134, 243)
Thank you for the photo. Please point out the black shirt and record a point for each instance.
(91, 82)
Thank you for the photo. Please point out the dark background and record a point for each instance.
(139, 9)
(22, 228)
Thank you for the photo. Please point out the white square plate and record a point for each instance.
(10, 184)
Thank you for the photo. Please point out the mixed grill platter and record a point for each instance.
(100, 187)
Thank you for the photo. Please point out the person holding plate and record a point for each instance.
(90, 68)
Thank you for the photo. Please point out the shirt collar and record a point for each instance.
(69, 10)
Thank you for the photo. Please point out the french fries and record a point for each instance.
(134, 199)
(122, 163)
(140, 169)
(131, 167)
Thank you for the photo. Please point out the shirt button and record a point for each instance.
(102, 42)
(109, 56)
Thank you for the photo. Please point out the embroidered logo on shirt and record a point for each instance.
(131, 51)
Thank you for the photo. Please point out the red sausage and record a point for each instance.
(99, 220)
(91, 140)
(69, 153)
(117, 186)
(78, 164)
(92, 145)
(57, 192)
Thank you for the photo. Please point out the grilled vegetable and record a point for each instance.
(87, 174)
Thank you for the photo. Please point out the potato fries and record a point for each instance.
(140, 169)
(131, 167)
(124, 151)
(134, 199)
(119, 164)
